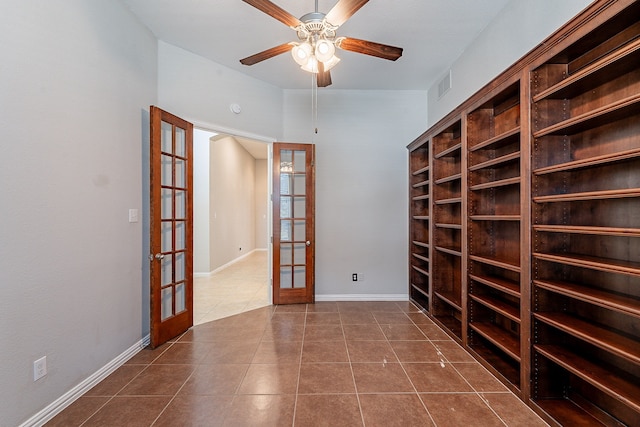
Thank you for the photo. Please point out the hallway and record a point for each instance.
(241, 287)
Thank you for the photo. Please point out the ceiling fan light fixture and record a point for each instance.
(301, 53)
(324, 50)
(311, 65)
(332, 62)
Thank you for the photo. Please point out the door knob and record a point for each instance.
(308, 243)
(159, 256)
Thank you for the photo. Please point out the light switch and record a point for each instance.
(133, 215)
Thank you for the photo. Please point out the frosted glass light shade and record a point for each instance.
(301, 53)
(332, 62)
(324, 50)
(311, 65)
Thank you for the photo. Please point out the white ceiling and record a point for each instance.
(433, 34)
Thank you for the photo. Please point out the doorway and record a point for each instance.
(231, 225)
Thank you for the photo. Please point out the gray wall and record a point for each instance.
(519, 27)
(75, 82)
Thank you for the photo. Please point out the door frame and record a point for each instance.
(210, 127)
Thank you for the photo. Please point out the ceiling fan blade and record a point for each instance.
(266, 54)
(369, 48)
(343, 10)
(323, 78)
(275, 11)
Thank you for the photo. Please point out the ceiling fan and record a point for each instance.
(315, 50)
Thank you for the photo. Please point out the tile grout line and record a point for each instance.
(405, 371)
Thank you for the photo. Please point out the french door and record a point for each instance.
(171, 223)
(293, 223)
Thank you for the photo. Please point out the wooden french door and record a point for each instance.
(293, 223)
(171, 223)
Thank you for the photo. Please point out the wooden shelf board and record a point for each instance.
(497, 364)
(598, 376)
(449, 151)
(421, 257)
(611, 301)
(501, 307)
(502, 339)
(589, 195)
(450, 251)
(421, 217)
(420, 290)
(606, 114)
(507, 286)
(450, 226)
(496, 262)
(495, 184)
(450, 201)
(598, 336)
(495, 139)
(566, 413)
(495, 217)
(448, 178)
(499, 161)
(422, 244)
(420, 270)
(594, 263)
(420, 171)
(421, 184)
(559, 90)
(590, 162)
(450, 299)
(422, 197)
(583, 229)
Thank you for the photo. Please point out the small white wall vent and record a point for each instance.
(444, 85)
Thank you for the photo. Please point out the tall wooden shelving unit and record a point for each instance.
(528, 229)
(447, 227)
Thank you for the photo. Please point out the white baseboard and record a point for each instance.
(362, 297)
(76, 392)
(230, 263)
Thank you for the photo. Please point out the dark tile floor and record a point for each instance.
(324, 364)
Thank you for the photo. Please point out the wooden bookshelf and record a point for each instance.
(525, 222)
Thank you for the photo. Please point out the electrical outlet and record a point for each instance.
(354, 277)
(40, 368)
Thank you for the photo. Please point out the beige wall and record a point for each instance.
(262, 203)
(232, 206)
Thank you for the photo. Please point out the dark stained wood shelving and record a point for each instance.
(593, 334)
(511, 157)
(589, 195)
(495, 217)
(498, 306)
(590, 162)
(495, 184)
(502, 263)
(594, 263)
(524, 220)
(449, 151)
(449, 178)
(609, 300)
(496, 139)
(503, 285)
(594, 374)
(499, 337)
(422, 170)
